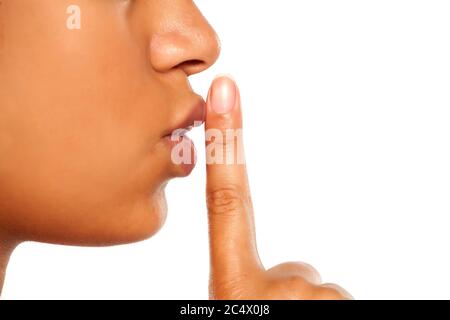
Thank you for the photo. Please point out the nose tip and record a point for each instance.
(207, 53)
(192, 47)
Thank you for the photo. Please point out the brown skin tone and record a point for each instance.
(84, 119)
(236, 269)
(83, 114)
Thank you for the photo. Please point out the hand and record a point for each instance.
(236, 269)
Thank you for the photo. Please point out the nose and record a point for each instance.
(184, 40)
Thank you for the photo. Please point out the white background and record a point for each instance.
(347, 128)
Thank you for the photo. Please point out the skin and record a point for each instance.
(236, 269)
(83, 113)
(84, 120)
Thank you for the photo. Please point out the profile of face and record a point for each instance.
(86, 114)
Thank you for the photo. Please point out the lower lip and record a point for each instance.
(184, 143)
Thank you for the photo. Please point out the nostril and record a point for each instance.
(192, 66)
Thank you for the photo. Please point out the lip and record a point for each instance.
(176, 137)
(194, 118)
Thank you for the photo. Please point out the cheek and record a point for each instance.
(83, 169)
(77, 165)
(82, 173)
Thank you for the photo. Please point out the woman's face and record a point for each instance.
(85, 114)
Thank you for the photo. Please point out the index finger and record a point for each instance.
(230, 213)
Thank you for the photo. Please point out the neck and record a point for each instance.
(7, 246)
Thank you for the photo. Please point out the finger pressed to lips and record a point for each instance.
(232, 236)
(236, 269)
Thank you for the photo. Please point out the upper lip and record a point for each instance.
(194, 116)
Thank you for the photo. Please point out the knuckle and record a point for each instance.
(327, 292)
(297, 282)
(300, 269)
(290, 288)
(225, 201)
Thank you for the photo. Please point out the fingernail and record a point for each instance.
(223, 94)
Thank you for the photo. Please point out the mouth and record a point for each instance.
(194, 118)
(183, 153)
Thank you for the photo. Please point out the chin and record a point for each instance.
(114, 226)
(146, 224)
(138, 224)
